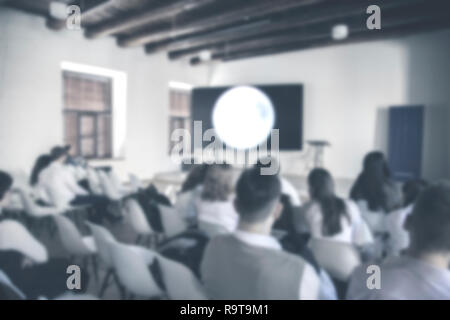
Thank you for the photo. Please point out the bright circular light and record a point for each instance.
(243, 117)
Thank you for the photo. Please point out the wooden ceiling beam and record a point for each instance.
(145, 18)
(395, 26)
(332, 12)
(259, 10)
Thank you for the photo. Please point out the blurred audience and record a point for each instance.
(423, 271)
(215, 205)
(250, 263)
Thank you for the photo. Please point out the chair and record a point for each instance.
(103, 240)
(133, 272)
(94, 182)
(172, 222)
(136, 218)
(211, 229)
(75, 244)
(180, 282)
(124, 190)
(339, 259)
(109, 189)
(14, 236)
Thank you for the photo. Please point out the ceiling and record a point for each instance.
(226, 30)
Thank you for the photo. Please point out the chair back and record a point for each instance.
(172, 222)
(103, 239)
(109, 189)
(136, 218)
(94, 181)
(180, 282)
(339, 259)
(14, 236)
(133, 272)
(71, 238)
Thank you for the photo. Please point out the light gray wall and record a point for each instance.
(348, 89)
(31, 89)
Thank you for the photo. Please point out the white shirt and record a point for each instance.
(398, 237)
(402, 278)
(60, 184)
(309, 286)
(218, 212)
(353, 231)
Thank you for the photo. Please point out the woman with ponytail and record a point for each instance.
(331, 217)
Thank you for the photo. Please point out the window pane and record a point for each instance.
(88, 147)
(88, 103)
(87, 93)
(87, 126)
(71, 132)
(104, 147)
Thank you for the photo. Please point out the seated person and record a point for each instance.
(423, 271)
(398, 239)
(250, 264)
(64, 190)
(190, 192)
(374, 185)
(215, 205)
(331, 217)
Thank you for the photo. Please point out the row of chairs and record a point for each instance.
(129, 265)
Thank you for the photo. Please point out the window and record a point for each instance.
(179, 112)
(88, 114)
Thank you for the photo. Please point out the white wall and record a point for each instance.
(31, 92)
(347, 90)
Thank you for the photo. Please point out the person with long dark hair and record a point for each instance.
(374, 185)
(191, 191)
(42, 162)
(331, 217)
(195, 178)
(398, 239)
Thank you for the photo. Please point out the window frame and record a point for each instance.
(95, 114)
(174, 117)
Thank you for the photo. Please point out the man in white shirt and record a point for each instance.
(58, 181)
(64, 190)
(423, 272)
(250, 264)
